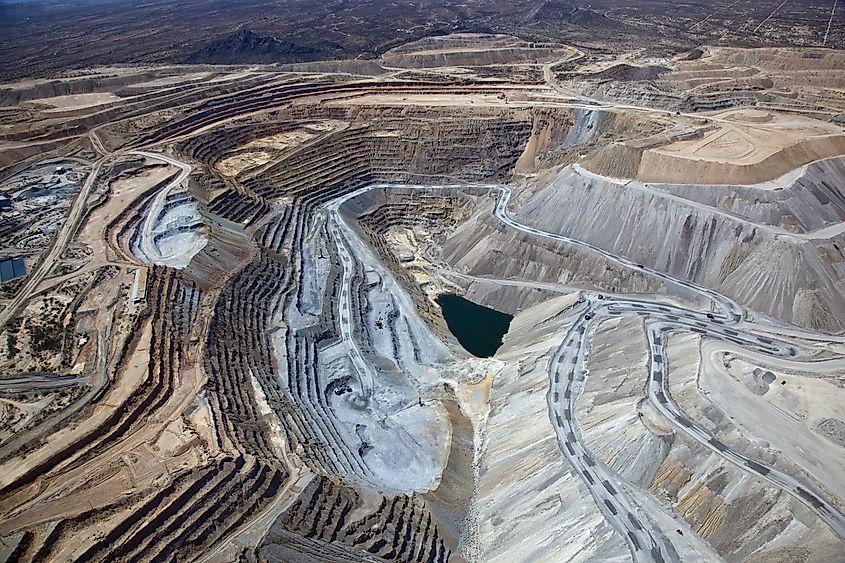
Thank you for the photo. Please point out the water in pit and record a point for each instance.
(478, 329)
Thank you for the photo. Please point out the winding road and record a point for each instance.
(662, 319)
(567, 375)
(727, 322)
(366, 377)
(147, 244)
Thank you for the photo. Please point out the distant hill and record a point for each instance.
(591, 18)
(552, 10)
(245, 46)
(567, 11)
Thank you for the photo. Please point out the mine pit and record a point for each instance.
(472, 298)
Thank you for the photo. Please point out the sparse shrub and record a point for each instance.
(12, 344)
(46, 337)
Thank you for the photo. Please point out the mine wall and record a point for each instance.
(261, 226)
(55, 126)
(378, 211)
(483, 247)
(16, 93)
(187, 513)
(264, 390)
(659, 167)
(239, 347)
(809, 203)
(243, 103)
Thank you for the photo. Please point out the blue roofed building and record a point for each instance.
(11, 268)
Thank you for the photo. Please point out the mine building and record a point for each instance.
(139, 286)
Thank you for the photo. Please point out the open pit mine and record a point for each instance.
(478, 300)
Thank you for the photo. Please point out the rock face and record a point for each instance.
(244, 46)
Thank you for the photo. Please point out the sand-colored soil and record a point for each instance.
(422, 100)
(744, 147)
(473, 49)
(281, 141)
(172, 80)
(263, 150)
(130, 379)
(234, 165)
(123, 193)
(258, 409)
(75, 101)
(780, 58)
